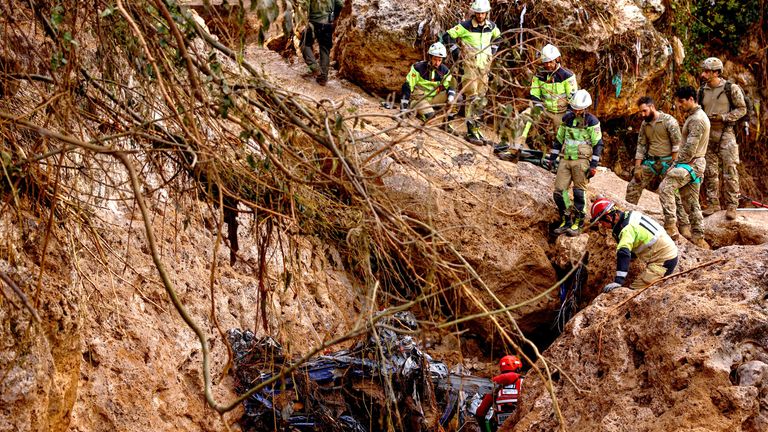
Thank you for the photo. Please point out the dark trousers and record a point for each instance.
(323, 34)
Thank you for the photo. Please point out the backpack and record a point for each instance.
(750, 114)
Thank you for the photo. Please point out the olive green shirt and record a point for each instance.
(660, 137)
(715, 101)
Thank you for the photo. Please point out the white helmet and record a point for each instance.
(480, 6)
(581, 100)
(437, 49)
(549, 53)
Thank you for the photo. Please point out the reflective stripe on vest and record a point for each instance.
(650, 225)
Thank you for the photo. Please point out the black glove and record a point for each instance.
(404, 103)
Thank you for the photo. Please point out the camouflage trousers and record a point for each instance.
(722, 149)
(679, 179)
(515, 130)
(648, 177)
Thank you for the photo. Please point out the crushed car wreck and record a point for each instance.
(384, 382)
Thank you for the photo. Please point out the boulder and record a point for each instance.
(669, 358)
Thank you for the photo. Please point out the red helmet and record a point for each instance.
(601, 208)
(510, 363)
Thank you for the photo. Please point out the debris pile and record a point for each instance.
(384, 381)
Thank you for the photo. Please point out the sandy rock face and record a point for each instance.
(375, 42)
(689, 353)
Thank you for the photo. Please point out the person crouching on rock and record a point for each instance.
(428, 84)
(579, 144)
(505, 399)
(640, 235)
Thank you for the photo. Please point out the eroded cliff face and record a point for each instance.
(113, 354)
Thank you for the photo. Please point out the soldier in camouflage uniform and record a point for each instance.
(723, 110)
(685, 175)
(657, 145)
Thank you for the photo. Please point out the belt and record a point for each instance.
(694, 178)
(659, 158)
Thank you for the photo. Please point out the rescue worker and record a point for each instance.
(428, 84)
(640, 235)
(504, 400)
(320, 28)
(551, 89)
(657, 145)
(724, 104)
(475, 42)
(685, 175)
(579, 144)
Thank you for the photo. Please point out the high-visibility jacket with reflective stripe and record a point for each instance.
(639, 233)
(428, 79)
(554, 89)
(479, 41)
(579, 130)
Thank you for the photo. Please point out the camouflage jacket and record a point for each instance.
(660, 137)
(695, 136)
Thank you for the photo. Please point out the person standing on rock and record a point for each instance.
(657, 146)
(428, 84)
(320, 28)
(579, 144)
(476, 40)
(685, 175)
(724, 104)
(551, 89)
(636, 234)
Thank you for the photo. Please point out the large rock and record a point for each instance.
(668, 359)
(376, 41)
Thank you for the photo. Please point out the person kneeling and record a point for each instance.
(638, 234)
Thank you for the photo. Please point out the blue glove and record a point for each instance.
(611, 286)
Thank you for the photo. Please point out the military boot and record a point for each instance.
(671, 229)
(576, 226)
(685, 231)
(730, 213)
(698, 240)
(712, 209)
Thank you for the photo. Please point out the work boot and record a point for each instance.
(501, 147)
(685, 231)
(565, 223)
(671, 229)
(312, 74)
(322, 79)
(473, 135)
(712, 209)
(575, 228)
(730, 213)
(698, 240)
(509, 156)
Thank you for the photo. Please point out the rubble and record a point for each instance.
(384, 379)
